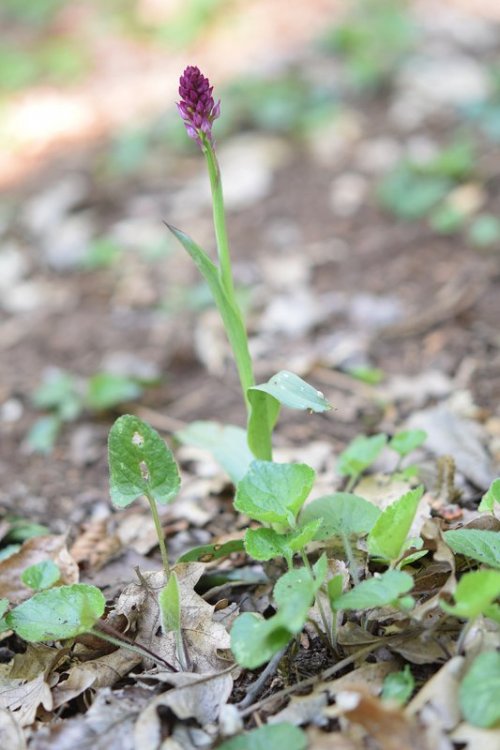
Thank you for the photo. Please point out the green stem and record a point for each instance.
(317, 599)
(240, 350)
(350, 558)
(139, 650)
(219, 219)
(352, 483)
(159, 534)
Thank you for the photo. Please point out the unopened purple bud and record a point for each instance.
(197, 107)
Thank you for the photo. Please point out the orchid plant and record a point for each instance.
(272, 495)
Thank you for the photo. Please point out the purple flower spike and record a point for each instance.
(197, 107)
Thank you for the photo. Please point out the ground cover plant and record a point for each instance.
(326, 592)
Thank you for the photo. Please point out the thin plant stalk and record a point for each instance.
(160, 535)
(318, 601)
(242, 358)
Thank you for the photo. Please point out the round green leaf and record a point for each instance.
(274, 493)
(341, 514)
(58, 613)
(479, 692)
(42, 575)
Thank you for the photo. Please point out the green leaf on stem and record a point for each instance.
(227, 444)
(140, 463)
(41, 576)
(230, 314)
(478, 544)
(266, 399)
(378, 591)
(387, 538)
(255, 640)
(479, 692)
(58, 613)
(266, 544)
(475, 595)
(268, 736)
(360, 454)
(170, 605)
(274, 493)
(491, 497)
(407, 441)
(341, 514)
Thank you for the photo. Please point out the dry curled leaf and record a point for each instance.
(194, 696)
(95, 545)
(33, 551)
(23, 698)
(382, 721)
(98, 673)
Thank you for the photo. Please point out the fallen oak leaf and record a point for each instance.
(24, 698)
(95, 545)
(193, 696)
(204, 638)
(98, 673)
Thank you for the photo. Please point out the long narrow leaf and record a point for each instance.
(231, 316)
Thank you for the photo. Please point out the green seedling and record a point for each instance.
(475, 594)
(387, 538)
(42, 575)
(359, 455)
(399, 686)
(484, 231)
(67, 397)
(372, 40)
(142, 465)
(255, 640)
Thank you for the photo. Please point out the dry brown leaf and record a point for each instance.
(33, 551)
(318, 740)
(95, 545)
(383, 722)
(37, 658)
(11, 735)
(306, 709)
(194, 696)
(437, 701)
(204, 638)
(99, 673)
(107, 725)
(474, 737)
(24, 698)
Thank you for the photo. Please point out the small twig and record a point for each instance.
(256, 686)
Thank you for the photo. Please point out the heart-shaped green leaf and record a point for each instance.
(387, 538)
(341, 514)
(375, 592)
(478, 544)
(479, 692)
(140, 463)
(274, 493)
